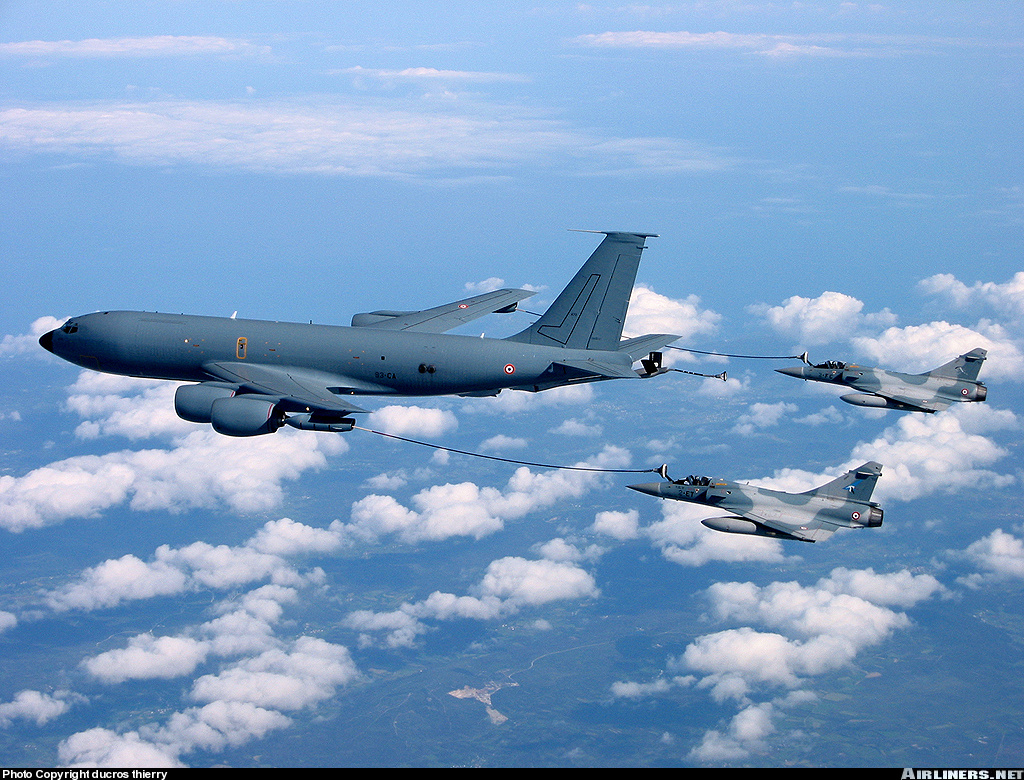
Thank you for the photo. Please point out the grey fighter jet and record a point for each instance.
(932, 391)
(250, 377)
(807, 517)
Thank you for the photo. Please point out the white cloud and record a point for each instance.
(332, 137)
(502, 442)
(918, 348)
(762, 415)
(618, 525)
(1006, 298)
(36, 706)
(281, 680)
(432, 75)
(832, 316)
(509, 585)
(28, 343)
(412, 421)
(203, 469)
(813, 630)
(685, 541)
(1000, 556)
(148, 657)
(945, 452)
(466, 509)
(152, 46)
(198, 566)
(574, 427)
(651, 312)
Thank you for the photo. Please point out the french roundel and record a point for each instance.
(965, 391)
(856, 515)
(510, 369)
(463, 306)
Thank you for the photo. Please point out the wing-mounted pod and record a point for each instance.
(739, 525)
(878, 402)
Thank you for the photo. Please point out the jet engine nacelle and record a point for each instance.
(976, 393)
(195, 402)
(245, 416)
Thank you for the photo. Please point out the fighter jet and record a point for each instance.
(932, 391)
(252, 376)
(806, 517)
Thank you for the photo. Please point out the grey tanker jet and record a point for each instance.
(253, 376)
(807, 517)
(932, 391)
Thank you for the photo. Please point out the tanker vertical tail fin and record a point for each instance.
(590, 311)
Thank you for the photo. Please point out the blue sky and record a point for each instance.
(842, 178)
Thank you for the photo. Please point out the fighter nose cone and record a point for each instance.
(796, 371)
(46, 341)
(650, 488)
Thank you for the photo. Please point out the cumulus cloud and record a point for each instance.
(197, 566)
(999, 556)
(917, 348)
(683, 540)
(200, 469)
(618, 525)
(264, 676)
(412, 421)
(762, 415)
(466, 509)
(28, 343)
(148, 657)
(811, 630)
(946, 452)
(651, 312)
(832, 316)
(203, 469)
(509, 585)
(37, 706)
(1006, 298)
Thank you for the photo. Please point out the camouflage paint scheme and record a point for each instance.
(807, 517)
(932, 391)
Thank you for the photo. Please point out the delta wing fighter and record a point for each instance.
(250, 377)
(807, 517)
(932, 391)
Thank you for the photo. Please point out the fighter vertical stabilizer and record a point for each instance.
(856, 484)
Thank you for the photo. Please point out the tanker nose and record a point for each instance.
(46, 341)
(797, 371)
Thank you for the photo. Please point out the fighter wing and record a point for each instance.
(298, 389)
(443, 318)
(813, 530)
(923, 401)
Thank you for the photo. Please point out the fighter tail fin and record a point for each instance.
(857, 483)
(965, 367)
(589, 312)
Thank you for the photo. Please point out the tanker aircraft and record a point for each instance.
(807, 517)
(932, 391)
(250, 377)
